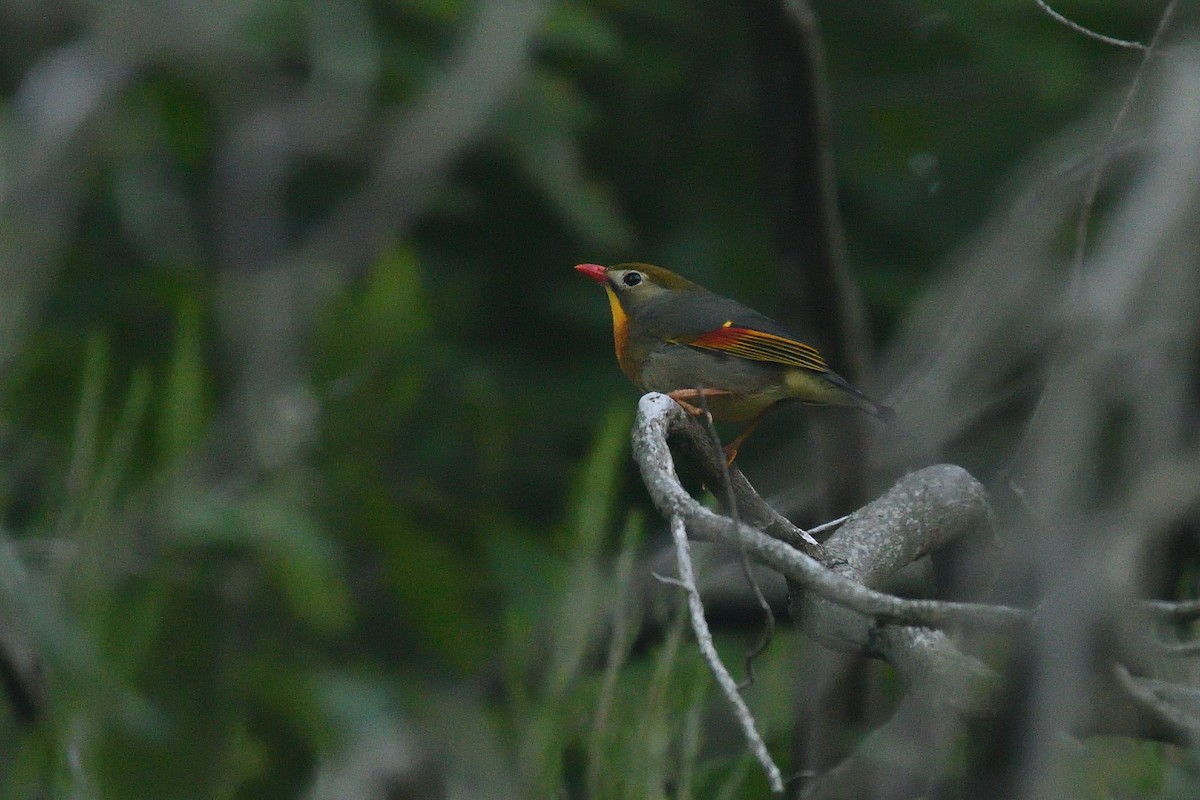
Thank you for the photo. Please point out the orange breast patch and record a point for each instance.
(620, 331)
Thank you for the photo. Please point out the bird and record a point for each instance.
(709, 352)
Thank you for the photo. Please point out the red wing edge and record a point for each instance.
(760, 346)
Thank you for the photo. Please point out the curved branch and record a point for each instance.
(1167, 611)
(1165, 709)
(950, 503)
(1088, 32)
(837, 606)
(687, 435)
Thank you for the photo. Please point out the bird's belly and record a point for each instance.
(752, 385)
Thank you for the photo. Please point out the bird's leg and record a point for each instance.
(679, 396)
(731, 449)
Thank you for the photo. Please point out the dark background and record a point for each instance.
(315, 461)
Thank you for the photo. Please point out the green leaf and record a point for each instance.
(593, 496)
(393, 304)
(576, 27)
(85, 442)
(432, 587)
(183, 415)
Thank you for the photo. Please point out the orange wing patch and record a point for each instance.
(760, 346)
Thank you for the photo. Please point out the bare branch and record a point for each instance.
(690, 437)
(833, 523)
(839, 608)
(687, 579)
(925, 510)
(1075, 26)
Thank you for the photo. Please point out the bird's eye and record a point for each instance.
(632, 278)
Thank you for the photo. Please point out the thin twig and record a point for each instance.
(768, 634)
(825, 526)
(752, 508)
(704, 638)
(668, 580)
(731, 503)
(1108, 147)
(1091, 34)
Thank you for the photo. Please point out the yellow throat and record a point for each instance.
(620, 331)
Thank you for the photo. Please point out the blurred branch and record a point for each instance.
(1161, 702)
(420, 144)
(1181, 650)
(21, 674)
(906, 752)
(1109, 145)
(1136, 304)
(818, 293)
(801, 180)
(916, 744)
(272, 288)
(1182, 611)
(1104, 154)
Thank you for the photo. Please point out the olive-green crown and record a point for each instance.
(663, 277)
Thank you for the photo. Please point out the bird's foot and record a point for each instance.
(681, 396)
(692, 410)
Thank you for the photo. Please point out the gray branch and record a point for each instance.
(837, 603)
(952, 498)
(687, 580)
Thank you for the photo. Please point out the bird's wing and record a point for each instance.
(758, 345)
(710, 322)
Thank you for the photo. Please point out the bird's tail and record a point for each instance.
(885, 414)
(853, 397)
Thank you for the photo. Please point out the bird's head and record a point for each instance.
(632, 285)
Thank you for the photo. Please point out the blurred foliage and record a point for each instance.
(443, 558)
